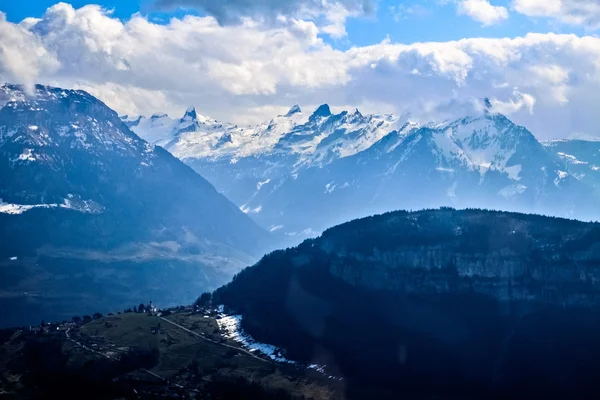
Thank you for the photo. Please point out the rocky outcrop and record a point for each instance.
(504, 275)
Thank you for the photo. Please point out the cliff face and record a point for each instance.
(509, 257)
(502, 275)
(491, 302)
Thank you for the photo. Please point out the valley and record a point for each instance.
(91, 215)
(427, 304)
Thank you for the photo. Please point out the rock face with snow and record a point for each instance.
(580, 158)
(300, 173)
(76, 183)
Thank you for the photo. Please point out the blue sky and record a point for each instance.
(430, 20)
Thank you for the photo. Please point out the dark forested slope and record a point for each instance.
(441, 302)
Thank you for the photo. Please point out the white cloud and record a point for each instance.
(22, 55)
(250, 72)
(482, 11)
(574, 12)
(515, 104)
(226, 12)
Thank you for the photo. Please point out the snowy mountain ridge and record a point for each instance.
(315, 139)
(300, 173)
(478, 143)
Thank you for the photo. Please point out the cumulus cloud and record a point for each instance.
(574, 12)
(250, 72)
(22, 54)
(482, 11)
(518, 102)
(335, 12)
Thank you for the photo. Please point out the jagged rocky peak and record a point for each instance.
(487, 103)
(224, 139)
(190, 114)
(158, 115)
(323, 111)
(294, 110)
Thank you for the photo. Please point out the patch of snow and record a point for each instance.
(13, 258)
(512, 190)
(317, 367)
(85, 206)
(26, 155)
(33, 127)
(309, 232)
(595, 168)
(441, 169)
(149, 148)
(257, 210)
(275, 228)
(261, 184)
(231, 327)
(570, 158)
(561, 175)
(7, 208)
(513, 172)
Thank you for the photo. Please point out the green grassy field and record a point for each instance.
(178, 349)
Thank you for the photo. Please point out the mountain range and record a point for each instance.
(300, 173)
(467, 303)
(89, 207)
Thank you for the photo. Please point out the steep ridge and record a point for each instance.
(438, 302)
(77, 184)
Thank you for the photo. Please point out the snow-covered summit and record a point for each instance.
(295, 109)
(46, 118)
(312, 138)
(373, 163)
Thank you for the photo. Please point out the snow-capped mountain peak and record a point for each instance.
(294, 110)
(377, 162)
(190, 114)
(316, 138)
(322, 112)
